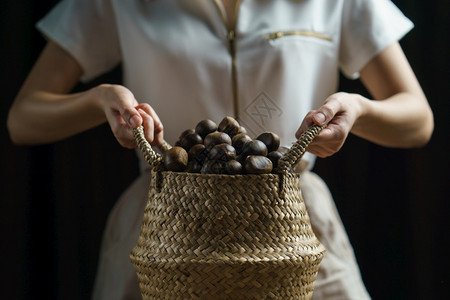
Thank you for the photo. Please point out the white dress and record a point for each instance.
(282, 60)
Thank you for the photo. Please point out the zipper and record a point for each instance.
(280, 34)
(231, 37)
(232, 42)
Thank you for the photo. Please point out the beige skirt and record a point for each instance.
(338, 277)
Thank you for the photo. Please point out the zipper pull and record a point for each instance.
(231, 36)
(274, 35)
(231, 39)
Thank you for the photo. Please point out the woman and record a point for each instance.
(272, 64)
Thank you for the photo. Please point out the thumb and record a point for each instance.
(134, 121)
(319, 118)
(325, 113)
(131, 116)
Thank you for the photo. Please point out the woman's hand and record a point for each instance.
(45, 111)
(399, 116)
(123, 112)
(339, 111)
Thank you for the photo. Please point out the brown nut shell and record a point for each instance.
(198, 153)
(275, 156)
(190, 140)
(239, 140)
(194, 167)
(222, 152)
(186, 132)
(230, 126)
(254, 147)
(175, 159)
(205, 127)
(242, 130)
(257, 164)
(270, 139)
(216, 138)
(241, 159)
(283, 149)
(233, 167)
(212, 167)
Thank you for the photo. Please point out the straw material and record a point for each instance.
(226, 236)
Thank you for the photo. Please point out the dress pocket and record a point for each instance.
(279, 36)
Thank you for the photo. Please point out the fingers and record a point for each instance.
(148, 125)
(149, 110)
(329, 141)
(123, 113)
(118, 105)
(338, 115)
(324, 114)
(153, 126)
(126, 105)
(328, 110)
(134, 120)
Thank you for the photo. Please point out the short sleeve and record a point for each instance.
(368, 27)
(87, 30)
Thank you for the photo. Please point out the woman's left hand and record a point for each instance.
(399, 116)
(339, 112)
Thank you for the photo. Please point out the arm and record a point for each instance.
(399, 117)
(44, 111)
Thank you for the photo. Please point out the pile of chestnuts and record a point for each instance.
(223, 149)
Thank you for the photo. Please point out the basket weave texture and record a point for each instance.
(225, 236)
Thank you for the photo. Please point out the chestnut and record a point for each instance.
(241, 159)
(216, 138)
(283, 149)
(230, 126)
(270, 139)
(184, 133)
(212, 167)
(205, 127)
(275, 156)
(233, 167)
(175, 159)
(222, 152)
(257, 164)
(254, 147)
(190, 140)
(194, 167)
(242, 130)
(198, 153)
(239, 140)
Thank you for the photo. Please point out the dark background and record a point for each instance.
(54, 199)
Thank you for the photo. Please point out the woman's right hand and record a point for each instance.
(123, 112)
(45, 110)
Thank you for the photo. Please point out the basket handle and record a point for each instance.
(153, 158)
(288, 161)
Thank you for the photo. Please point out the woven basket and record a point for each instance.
(226, 236)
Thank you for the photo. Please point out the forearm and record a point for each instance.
(401, 116)
(44, 111)
(43, 117)
(404, 120)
